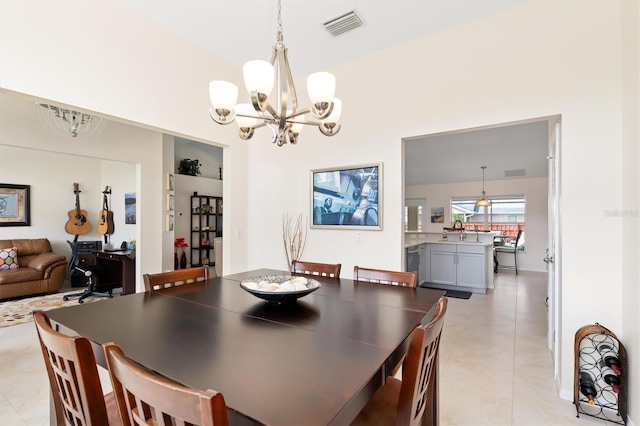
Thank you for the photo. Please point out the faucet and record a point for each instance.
(463, 236)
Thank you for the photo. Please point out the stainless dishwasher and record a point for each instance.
(413, 261)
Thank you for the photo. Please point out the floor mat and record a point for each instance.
(457, 294)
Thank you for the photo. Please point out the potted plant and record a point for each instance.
(180, 244)
(189, 167)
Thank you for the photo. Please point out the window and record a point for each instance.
(505, 215)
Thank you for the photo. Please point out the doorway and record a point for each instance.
(439, 166)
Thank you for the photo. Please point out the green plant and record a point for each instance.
(189, 167)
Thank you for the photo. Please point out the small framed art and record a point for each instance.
(169, 182)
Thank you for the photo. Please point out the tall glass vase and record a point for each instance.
(183, 260)
(175, 261)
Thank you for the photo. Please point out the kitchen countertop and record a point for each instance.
(414, 243)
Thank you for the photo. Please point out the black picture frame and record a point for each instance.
(15, 205)
(347, 197)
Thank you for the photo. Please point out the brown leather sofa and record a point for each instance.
(40, 271)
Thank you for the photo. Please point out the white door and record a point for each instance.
(552, 255)
(443, 267)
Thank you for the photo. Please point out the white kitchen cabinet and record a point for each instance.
(443, 264)
(459, 265)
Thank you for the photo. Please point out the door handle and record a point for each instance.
(548, 259)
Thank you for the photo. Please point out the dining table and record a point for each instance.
(315, 361)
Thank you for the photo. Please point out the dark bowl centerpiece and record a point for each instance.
(279, 288)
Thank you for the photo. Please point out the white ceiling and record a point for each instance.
(240, 30)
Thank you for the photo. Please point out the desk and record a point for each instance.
(317, 361)
(118, 269)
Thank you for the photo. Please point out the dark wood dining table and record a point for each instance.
(316, 361)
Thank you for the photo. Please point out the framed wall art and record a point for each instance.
(347, 197)
(169, 182)
(170, 223)
(170, 202)
(15, 205)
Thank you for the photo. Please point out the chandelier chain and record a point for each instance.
(279, 16)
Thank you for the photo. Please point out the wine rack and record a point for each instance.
(608, 405)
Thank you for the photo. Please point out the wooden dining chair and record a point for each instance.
(404, 402)
(174, 278)
(405, 279)
(313, 268)
(73, 376)
(146, 398)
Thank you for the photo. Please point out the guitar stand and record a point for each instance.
(89, 291)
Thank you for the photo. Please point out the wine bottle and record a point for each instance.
(587, 386)
(609, 376)
(610, 357)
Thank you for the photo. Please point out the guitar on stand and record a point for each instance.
(105, 219)
(78, 224)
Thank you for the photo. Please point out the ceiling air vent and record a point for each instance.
(514, 173)
(343, 23)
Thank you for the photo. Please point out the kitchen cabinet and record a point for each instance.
(458, 265)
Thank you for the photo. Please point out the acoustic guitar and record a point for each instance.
(78, 224)
(105, 218)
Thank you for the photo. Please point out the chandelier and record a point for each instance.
(281, 115)
(483, 200)
(66, 122)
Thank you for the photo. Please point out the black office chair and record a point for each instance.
(508, 249)
(89, 272)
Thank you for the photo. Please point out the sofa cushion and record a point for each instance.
(9, 258)
(21, 275)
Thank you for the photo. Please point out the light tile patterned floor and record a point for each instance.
(495, 367)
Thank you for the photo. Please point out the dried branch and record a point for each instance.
(293, 237)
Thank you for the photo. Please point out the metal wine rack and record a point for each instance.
(609, 406)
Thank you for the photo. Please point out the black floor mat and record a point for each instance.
(457, 294)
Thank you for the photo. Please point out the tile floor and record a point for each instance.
(495, 368)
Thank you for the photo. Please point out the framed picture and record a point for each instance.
(169, 222)
(170, 202)
(15, 207)
(437, 214)
(169, 182)
(347, 197)
(130, 208)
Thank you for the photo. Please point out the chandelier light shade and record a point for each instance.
(483, 201)
(66, 122)
(279, 112)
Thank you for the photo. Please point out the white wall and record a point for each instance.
(535, 192)
(533, 60)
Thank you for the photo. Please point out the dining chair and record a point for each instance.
(313, 268)
(73, 376)
(404, 402)
(174, 278)
(509, 249)
(146, 398)
(405, 279)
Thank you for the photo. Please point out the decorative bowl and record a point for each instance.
(257, 286)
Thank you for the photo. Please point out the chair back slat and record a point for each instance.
(418, 371)
(73, 376)
(314, 268)
(146, 398)
(175, 278)
(381, 276)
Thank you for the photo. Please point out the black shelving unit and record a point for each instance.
(206, 224)
(609, 406)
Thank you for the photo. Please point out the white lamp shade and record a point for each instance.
(321, 87)
(223, 94)
(335, 113)
(258, 76)
(297, 127)
(246, 121)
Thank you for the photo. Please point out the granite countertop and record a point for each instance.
(414, 243)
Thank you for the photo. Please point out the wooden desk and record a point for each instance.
(118, 269)
(317, 361)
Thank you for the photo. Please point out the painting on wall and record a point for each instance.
(347, 197)
(437, 214)
(15, 205)
(130, 208)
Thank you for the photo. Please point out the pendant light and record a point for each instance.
(483, 201)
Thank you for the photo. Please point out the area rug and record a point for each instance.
(19, 311)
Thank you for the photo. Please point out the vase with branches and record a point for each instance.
(293, 237)
(180, 244)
